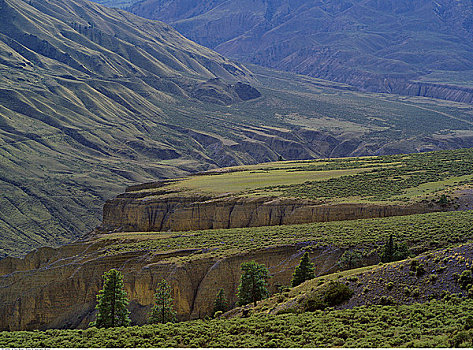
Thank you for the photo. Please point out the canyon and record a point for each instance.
(400, 47)
(63, 282)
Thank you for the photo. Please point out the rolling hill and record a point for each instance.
(416, 48)
(95, 99)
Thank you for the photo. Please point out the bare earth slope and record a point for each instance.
(404, 47)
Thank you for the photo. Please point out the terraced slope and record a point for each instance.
(94, 99)
(298, 192)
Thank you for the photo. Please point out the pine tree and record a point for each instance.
(163, 310)
(112, 302)
(221, 303)
(253, 283)
(389, 248)
(393, 252)
(303, 272)
(350, 259)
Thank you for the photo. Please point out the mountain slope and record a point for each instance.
(94, 99)
(382, 46)
(81, 92)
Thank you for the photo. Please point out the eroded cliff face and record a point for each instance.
(62, 284)
(126, 213)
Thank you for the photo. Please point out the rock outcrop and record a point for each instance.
(63, 283)
(177, 213)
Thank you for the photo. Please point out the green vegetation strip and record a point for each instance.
(434, 324)
(364, 179)
(391, 176)
(420, 232)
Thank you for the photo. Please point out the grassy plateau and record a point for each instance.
(395, 179)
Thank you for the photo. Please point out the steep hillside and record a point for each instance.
(94, 99)
(429, 276)
(63, 282)
(415, 48)
(81, 96)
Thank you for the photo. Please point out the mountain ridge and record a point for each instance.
(368, 44)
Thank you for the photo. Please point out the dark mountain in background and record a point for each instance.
(94, 99)
(397, 46)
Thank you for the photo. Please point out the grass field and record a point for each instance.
(397, 178)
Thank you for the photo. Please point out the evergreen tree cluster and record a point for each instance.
(393, 252)
(112, 300)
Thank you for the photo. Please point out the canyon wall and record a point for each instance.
(126, 213)
(59, 290)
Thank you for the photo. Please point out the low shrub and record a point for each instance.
(333, 294)
(465, 279)
(387, 300)
(420, 271)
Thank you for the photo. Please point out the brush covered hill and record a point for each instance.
(410, 47)
(403, 303)
(95, 99)
(63, 282)
(429, 276)
(418, 302)
(435, 324)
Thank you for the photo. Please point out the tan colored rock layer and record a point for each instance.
(62, 293)
(199, 213)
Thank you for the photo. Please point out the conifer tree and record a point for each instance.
(112, 302)
(393, 251)
(304, 271)
(163, 310)
(221, 303)
(253, 283)
(389, 249)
